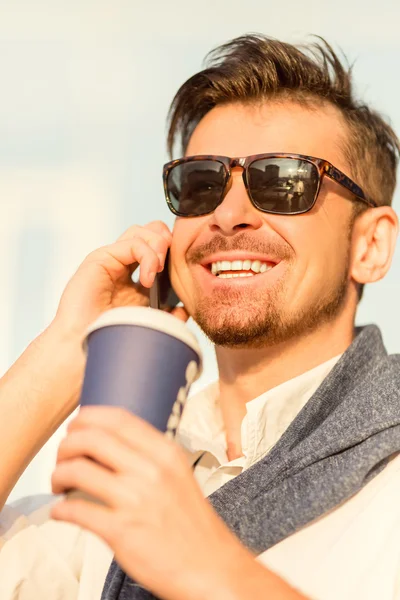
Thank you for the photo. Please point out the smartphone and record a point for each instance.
(161, 292)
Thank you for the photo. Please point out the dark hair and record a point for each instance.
(253, 67)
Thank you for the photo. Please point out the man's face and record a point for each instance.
(307, 256)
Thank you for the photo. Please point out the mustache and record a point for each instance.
(242, 241)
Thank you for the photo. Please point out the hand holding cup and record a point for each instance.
(143, 360)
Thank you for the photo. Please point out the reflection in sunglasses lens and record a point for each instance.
(283, 185)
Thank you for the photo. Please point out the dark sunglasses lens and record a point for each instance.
(196, 187)
(283, 185)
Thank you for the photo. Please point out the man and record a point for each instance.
(296, 446)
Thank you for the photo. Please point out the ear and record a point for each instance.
(373, 244)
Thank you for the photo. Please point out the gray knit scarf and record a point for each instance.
(339, 441)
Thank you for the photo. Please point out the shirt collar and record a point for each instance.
(201, 428)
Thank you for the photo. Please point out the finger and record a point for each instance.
(86, 476)
(114, 490)
(161, 228)
(158, 242)
(104, 448)
(116, 257)
(95, 518)
(133, 431)
(158, 227)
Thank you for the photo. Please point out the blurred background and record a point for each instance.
(85, 90)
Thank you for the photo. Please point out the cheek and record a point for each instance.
(183, 233)
(320, 251)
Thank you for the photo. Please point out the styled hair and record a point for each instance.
(254, 68)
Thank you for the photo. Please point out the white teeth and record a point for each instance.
(247, 265)
(224, 267)
(237, 265)
(229, 275)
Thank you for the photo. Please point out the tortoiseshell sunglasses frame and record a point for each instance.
(323, 168)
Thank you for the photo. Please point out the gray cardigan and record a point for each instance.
(339, 441)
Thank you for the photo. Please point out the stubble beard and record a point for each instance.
(235, 319)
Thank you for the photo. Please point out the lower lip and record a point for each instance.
(210, 282)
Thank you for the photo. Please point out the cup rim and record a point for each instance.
(146, 317)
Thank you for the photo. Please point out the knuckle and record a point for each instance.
(120, 417)
(137, 248)
(87, 441)
(159, 226)
(154, 244)
(141, 249)
(152, 237)
(135, 243)
(158, 475)
(153, 474)
(94, 255)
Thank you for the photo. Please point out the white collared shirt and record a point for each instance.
(267, 417)
(352, 552)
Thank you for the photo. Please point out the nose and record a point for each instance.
(236, 212)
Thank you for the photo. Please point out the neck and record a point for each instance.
(244, 374)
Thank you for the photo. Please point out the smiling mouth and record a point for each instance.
(225, 269)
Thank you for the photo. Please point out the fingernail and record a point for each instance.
(152, 276)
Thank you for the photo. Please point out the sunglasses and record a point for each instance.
(281, 184)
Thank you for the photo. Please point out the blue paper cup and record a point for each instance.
(144, 360)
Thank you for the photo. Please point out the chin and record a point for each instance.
(264, 323)
(238, 327)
